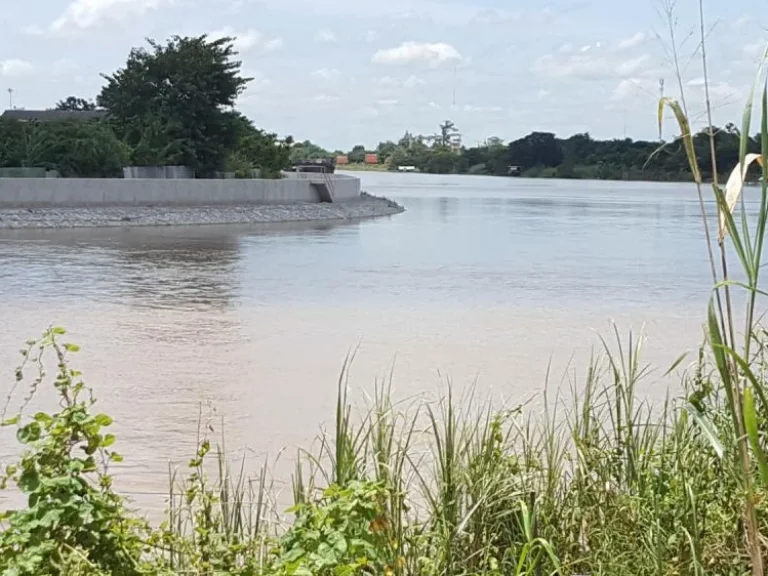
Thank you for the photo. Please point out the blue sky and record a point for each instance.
(341, 72)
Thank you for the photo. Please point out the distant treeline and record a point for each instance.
(543, 154)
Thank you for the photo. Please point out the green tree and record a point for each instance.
(384, 150)
(357, 154)
(75, 104)
(308, 151)
(258, 150)
(447, 129)
(181, 89)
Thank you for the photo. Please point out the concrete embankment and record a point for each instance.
(109, 216)
(79, 203)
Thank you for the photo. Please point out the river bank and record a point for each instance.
(123, 216)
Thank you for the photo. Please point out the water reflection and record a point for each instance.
(187, 267)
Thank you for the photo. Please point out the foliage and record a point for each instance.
(74, 523)
(179, 89)
(75, 104)
(256, 150)
(73, 148)
(308, 151)
(343, 532)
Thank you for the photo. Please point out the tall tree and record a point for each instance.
(184, 89)
(447, 129)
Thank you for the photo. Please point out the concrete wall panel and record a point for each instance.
(63, 192)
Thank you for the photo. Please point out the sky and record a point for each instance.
(346, 72)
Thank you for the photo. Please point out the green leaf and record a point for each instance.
(29, 480)
(707, 428)
(750, 423)
(12, 421)
(108, 440)
(43, 418)
(58, 330)
(72, 348)
(28, 433)
(102, 420)
(115, 457)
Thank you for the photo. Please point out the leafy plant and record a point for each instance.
(341, 533)
(73, 523)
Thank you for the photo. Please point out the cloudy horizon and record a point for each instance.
(340, 73)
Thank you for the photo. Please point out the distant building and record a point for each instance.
(342, 160)
(371, 158)
(454, 142)
(52, 115)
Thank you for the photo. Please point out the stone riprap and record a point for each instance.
(109, 216)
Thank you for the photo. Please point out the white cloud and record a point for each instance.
(82, 14)
(629, 88)
(371, 36)
(325, 98)
(434, 105)
(583, 67)
(566, 48)
(387, 81)
(410, 52)
(368, 112)
(542, 94)
(475, 109)
(595, 65)
(585, 49)
(247, 40)
(631, 67)
(326, 36)
(326, 74)
(243, 41)
(411, 82)
(64, 67)
(33, 30)
(273, 45)
(386, 102)
(259, 83)
(754, 50)
(631, 42)
(625, 89)
(15, 68)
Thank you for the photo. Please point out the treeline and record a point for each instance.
(543, 154)
(171, 104)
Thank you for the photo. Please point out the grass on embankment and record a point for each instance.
(361, 167)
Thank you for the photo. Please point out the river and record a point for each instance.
(481, 280)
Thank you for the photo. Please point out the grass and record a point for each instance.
(361, 167)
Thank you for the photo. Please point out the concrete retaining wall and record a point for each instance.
(63, 192)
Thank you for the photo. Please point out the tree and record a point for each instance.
(447, 129)
(357, 154)
(180, 89)
(385, 149)
(536, 149)
(258, 150)
(308, 151)
(75, 104)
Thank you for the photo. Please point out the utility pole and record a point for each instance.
(10, 98)
(625, 123)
